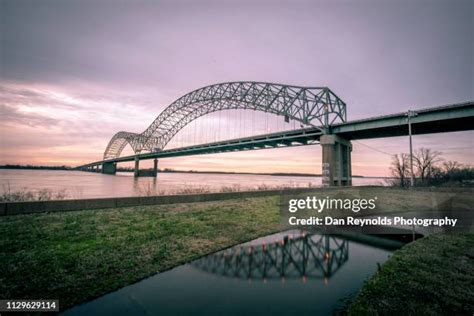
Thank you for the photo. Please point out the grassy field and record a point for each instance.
(431, 276)
(77, 256)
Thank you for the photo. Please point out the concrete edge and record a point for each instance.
(17, 208)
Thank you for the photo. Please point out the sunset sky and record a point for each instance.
(73, 73)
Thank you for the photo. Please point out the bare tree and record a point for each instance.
(425, 160)
(431, 169)
(400, 169)
(450, 166)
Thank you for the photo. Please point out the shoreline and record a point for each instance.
(277, 174)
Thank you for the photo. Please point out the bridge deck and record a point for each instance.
(449, 118)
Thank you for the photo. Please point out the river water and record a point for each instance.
(79, 184)
(289, 273)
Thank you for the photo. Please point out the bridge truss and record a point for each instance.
(315, 107)
(307, 256)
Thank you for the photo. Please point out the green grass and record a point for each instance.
(431, 276)
(76, 256)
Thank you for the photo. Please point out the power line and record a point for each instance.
(466, 147)
(386, 153)
(373, 148)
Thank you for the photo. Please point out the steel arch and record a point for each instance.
(313, 256)
(312, 106)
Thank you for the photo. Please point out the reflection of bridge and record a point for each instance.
(307, 256)
(320, 112)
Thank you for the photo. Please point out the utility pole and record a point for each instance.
(411, 114)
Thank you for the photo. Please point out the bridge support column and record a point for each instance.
(337, 170)
(155, 166)
(136, 171)
(147, 172)
(109, 168)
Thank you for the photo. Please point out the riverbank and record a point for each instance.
(431, 276)
(77, 256)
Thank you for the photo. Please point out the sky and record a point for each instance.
(73, 73)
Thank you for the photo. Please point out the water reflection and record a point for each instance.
(305, 256)
(271, 275)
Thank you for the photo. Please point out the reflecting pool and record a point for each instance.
(292, 272)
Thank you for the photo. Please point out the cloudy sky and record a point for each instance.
(73, 73)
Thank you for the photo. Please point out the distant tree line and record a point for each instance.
(429, 169)
(132, 169)
(35, 167)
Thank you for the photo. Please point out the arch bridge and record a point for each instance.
(318, 107)
(321, 114)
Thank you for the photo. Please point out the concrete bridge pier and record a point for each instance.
(155, 166)
(145, 173)
(109, 167)
(337, 170)
(136, 170)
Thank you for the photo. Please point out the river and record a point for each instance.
(79, 184)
